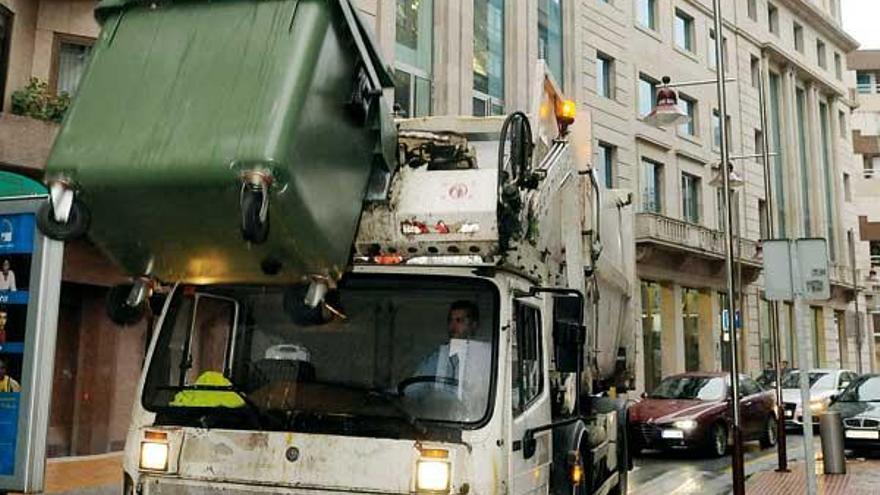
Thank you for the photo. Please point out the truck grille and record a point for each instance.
(861, 423)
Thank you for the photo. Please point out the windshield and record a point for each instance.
(818, 380)
(863, 389)
(690, 387)
(386, 350)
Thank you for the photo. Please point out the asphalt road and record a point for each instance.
(685, 473)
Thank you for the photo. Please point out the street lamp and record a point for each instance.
(665, 115)
(733, 178)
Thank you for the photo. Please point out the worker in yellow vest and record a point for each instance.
(7, 383)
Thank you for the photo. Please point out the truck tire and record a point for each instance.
(76, 226)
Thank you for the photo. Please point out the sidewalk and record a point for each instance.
(862, 478)
(88, 475)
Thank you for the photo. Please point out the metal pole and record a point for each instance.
(738, 471)
(782, 455)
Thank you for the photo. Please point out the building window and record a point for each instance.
(414, 56)
(759, 142)
(773, 18)
(605, 164)
(688, 106)
(684, 31)
(652, 332)
(526, 357)
(690, 198)
(652, 186)
(775, 111)
(712, 55)
(847, 188)
(874, 247)
(716, 129)
(838, 66)
(71, 55)
(647, 94)
(818, 337)
(755, 71)
(828, 169)
(488, 57)
(763, 230)
(803, 146)
(798, 37)
(690, 304)
(647, 13)
(865, 82)
(550, 36)
(604, 75)
(721, 209)
(753, 9)
(5, 38)
(820, 54)
(841, 122)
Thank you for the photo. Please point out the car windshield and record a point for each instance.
(818, 380)
(690, 387)
(863, 389)
(381, 350)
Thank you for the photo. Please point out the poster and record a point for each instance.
(16, 251)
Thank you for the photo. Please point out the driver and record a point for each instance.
(463, 359)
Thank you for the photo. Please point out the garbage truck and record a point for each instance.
(350, 302)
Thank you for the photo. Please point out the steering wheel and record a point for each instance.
(445, 380)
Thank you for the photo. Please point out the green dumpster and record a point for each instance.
(219, 141)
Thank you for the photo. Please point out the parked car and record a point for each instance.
(824, 385)
(692, 411)
(859, 407)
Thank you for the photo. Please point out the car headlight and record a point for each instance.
(154, 456)
(685, 424)
(432, 476)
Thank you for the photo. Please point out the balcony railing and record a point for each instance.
(691, 237)
(25, 142)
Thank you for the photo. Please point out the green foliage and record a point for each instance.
(37, 101)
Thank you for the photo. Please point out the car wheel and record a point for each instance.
(768, 439)
(717, 441)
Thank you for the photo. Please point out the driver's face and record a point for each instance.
(460, 324)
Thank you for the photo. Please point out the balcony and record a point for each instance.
(677, 235)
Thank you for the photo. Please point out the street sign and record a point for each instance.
(809, 279)
(30, 282)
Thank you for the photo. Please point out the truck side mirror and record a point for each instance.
(568, 332)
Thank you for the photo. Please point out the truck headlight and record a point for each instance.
(154, 456)
(685, 424)
(432, 476)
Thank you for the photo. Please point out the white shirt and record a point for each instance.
(7, 281)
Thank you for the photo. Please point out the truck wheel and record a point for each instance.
(768, 439)
(253, 228)
(118, 309)
(76, 226)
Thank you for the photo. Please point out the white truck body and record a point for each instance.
(436, 226)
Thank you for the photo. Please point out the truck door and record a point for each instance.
(530, 398)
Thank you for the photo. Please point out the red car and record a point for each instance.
(692, 411)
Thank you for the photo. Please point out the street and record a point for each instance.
(684, 473)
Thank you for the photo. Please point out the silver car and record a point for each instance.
(825, 383)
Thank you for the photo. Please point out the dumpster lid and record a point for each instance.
(355, 23)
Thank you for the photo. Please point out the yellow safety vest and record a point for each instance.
(208, 398)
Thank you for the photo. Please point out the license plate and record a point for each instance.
(863, 434)
(672, 434)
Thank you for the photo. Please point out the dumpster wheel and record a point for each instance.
(75, 227)
(255, 213)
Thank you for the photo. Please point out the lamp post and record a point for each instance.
(666, 113)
